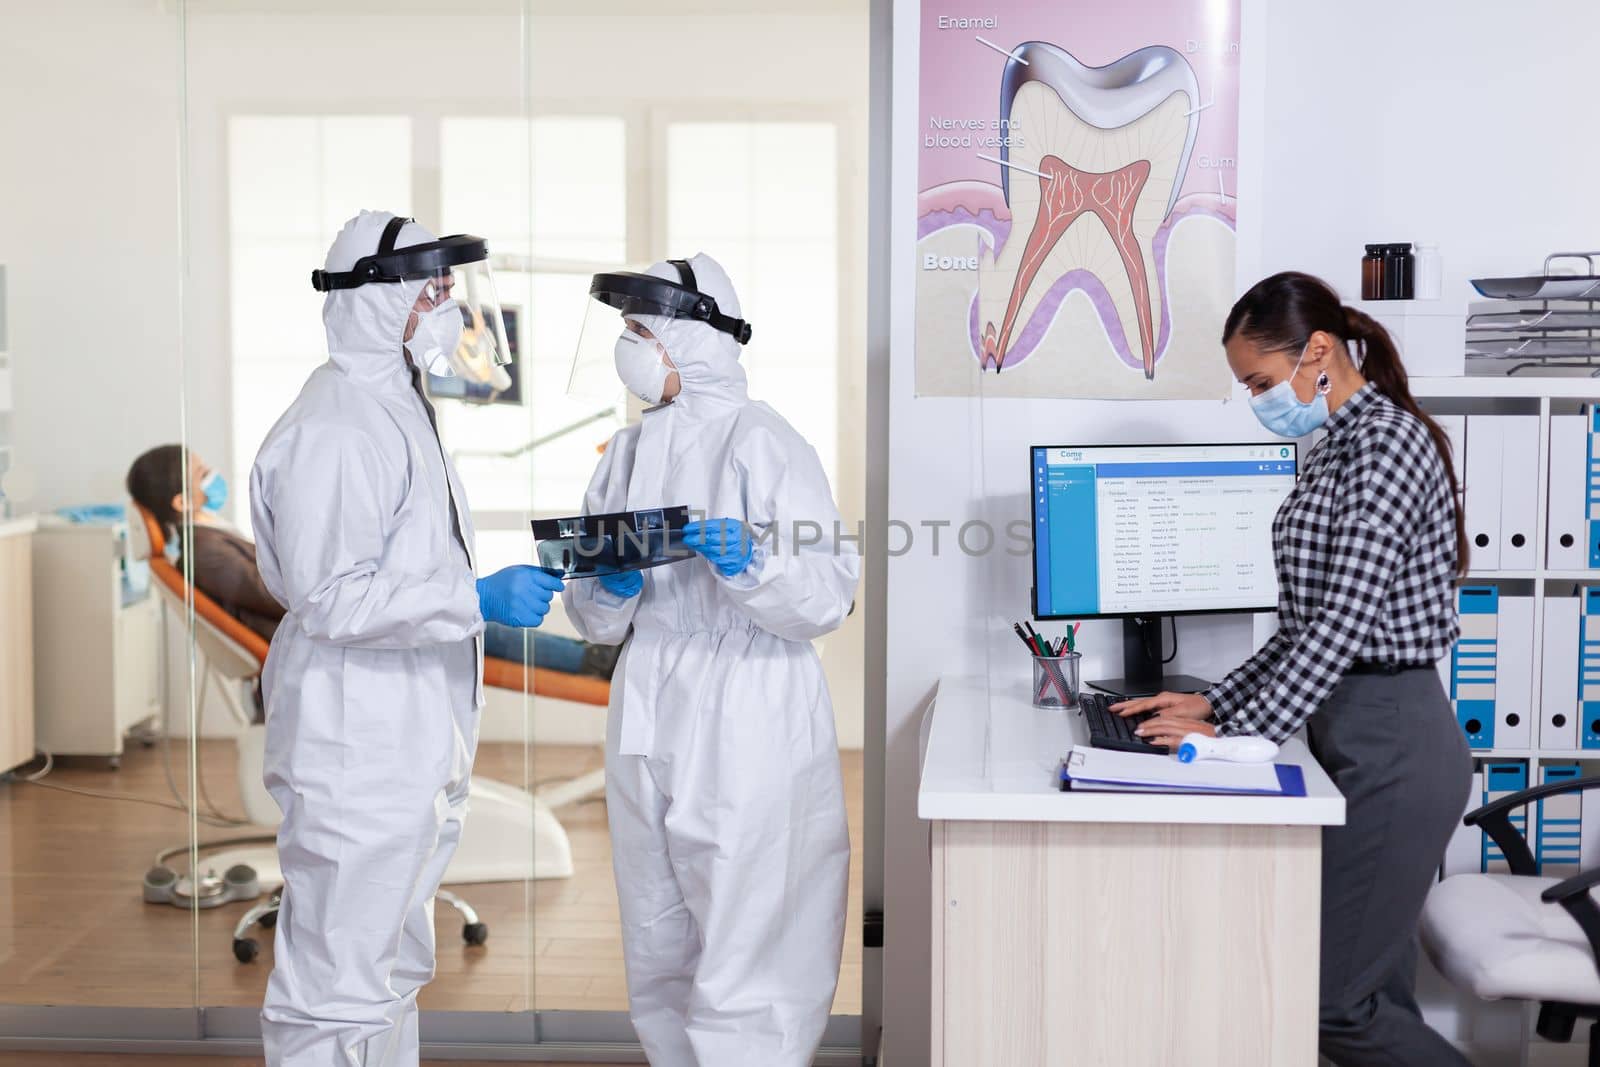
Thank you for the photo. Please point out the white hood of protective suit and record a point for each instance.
(366, 325)
(707, 359)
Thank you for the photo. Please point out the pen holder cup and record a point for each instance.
(1055, 680)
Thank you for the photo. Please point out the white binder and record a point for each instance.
(1566, 539)
(1464, 853)
(1485, 440)
(1519, 491)
(1558, 694)
(1513, 690)
(1455, 428)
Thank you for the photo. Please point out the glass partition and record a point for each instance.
(99, 799)
(139, 865)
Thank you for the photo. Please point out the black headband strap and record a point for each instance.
(391, 234)
(710, 313)
(685, 272)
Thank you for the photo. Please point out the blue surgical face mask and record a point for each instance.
(215, 488)
(1284, 413)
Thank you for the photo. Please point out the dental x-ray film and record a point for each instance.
(587, 546)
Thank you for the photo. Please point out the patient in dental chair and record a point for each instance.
(225, 564)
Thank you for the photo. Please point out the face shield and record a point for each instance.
(457, 281)
(627, 295)
(588, 546)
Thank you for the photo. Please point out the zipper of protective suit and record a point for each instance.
(449, 488)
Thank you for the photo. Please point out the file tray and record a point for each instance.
(1546, 286)
(588, 546)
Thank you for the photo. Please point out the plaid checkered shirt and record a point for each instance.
(1365, 548)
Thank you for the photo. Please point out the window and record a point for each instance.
(762, 199)
(577, 227)
(292, 183)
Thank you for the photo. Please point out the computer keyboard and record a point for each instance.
(1107, 729)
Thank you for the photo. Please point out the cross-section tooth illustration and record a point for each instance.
(1092, 184)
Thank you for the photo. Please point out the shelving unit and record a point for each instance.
(1501, 1032)
(1524, 391)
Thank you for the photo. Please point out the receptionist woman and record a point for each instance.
(1367, 547)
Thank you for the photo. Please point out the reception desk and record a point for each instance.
(1113, 929)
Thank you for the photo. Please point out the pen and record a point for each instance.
(1034, 640)
(1038, 642)
(1017, 626)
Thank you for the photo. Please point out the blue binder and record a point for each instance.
(1473, 663)
(1589, 670)
(1510, 776)
(1591, 512)
(1560, 824)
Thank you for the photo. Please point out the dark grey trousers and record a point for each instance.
(1392, 746)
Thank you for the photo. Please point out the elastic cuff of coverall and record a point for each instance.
(750, 577)
(605, 598)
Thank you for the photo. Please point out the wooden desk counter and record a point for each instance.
(1112, 929)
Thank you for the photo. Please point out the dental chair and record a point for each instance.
(510, 832)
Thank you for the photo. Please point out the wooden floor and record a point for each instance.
(74, 929)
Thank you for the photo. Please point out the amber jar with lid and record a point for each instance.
(1372, 273)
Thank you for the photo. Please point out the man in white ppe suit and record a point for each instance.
(723, 791)
(374, 680)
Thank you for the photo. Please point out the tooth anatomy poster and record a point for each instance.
(1076, 197)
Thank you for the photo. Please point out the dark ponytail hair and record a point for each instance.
(1281, 313)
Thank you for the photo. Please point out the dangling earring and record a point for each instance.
(1324, 386)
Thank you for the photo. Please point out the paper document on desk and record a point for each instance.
(1106, 769)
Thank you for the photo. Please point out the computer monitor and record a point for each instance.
(1140, 532)
(456, 387)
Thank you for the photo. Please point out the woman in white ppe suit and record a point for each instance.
(727, 815)
(374, 680)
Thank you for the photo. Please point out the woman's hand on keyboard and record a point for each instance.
(1163, 730)
(1190, 706)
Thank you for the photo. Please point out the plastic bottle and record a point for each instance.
(1427, 278)
(1372, 273)
(1231, 749)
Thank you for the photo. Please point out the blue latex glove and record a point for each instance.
(517, 596)
(627, 584)
(727, 543)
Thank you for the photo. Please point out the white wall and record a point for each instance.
(89, 236)
(1363, 122)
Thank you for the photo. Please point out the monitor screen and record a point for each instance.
(1156, 529)
(459, 387)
